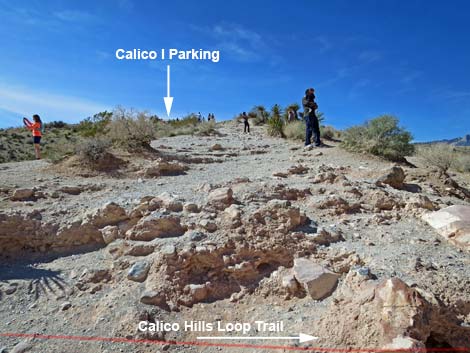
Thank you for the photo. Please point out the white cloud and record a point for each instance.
(50, 106)
(238, 42)
(73, 16)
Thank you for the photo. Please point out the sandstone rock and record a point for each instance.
(297, 169)
(110, 234)
(197, 292)
(138, 272)
(328, 177)
(156, 225)
(191, 208)
(407, 344)
(339, 205)
(152, 297)
(325, 237)
(221, 198)
(110, 214)
(168, 201)
(393, 177)
(453, 223)
(139, 249)
(277, 215)
(95, 275)
(12, 287)
(70, 189)
(22, 347)
(280, 175)
(217, 147)
(388, 314)
(23, 195)
(290, 284)
(164, 168)
(420, 201)
(208, 225)
(66, 306)
(233, 212)
(317, 280)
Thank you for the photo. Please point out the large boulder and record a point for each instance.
(110, 214)
(156, 225)
(394, 177)
(163, 168)
(318, 281)
(221, 198)
(169, 201)
(138, 272)
(23, 195)
(388, 314)
(453, 223)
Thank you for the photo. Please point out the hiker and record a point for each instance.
(290, 115)
(36, 128)
(311, 119)
(246, 123)
(199, 117)
(213, 117)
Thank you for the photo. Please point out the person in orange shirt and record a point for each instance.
(35, 127)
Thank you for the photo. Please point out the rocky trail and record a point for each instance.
(235, 228)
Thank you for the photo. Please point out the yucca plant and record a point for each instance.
(276, 122)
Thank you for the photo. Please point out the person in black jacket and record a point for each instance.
(246, 123)
(310, 117)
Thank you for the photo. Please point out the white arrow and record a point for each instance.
(168, 100)
(302, 337)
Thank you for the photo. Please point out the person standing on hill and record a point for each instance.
(311, 119)
(291, 115)
(36, 129)
(245, 123)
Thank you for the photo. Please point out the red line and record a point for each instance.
(226, 345)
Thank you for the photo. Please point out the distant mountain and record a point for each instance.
(458, 141)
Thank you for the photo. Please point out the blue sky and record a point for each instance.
(409, 58)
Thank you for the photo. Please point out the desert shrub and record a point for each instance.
(188, 120)
(206, 129)
(131, 129)
(95, 125)
(437, 155)
(462, 164)
(55, 125)
(294, 130)
(329, 132)
(444, 157)
(380, 137)
(92, 150)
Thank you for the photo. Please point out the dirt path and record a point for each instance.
(41, 293)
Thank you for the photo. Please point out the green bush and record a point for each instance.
(95, 125)
(189, 120)
(55, 124)
(295, 130)
(380, 137)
